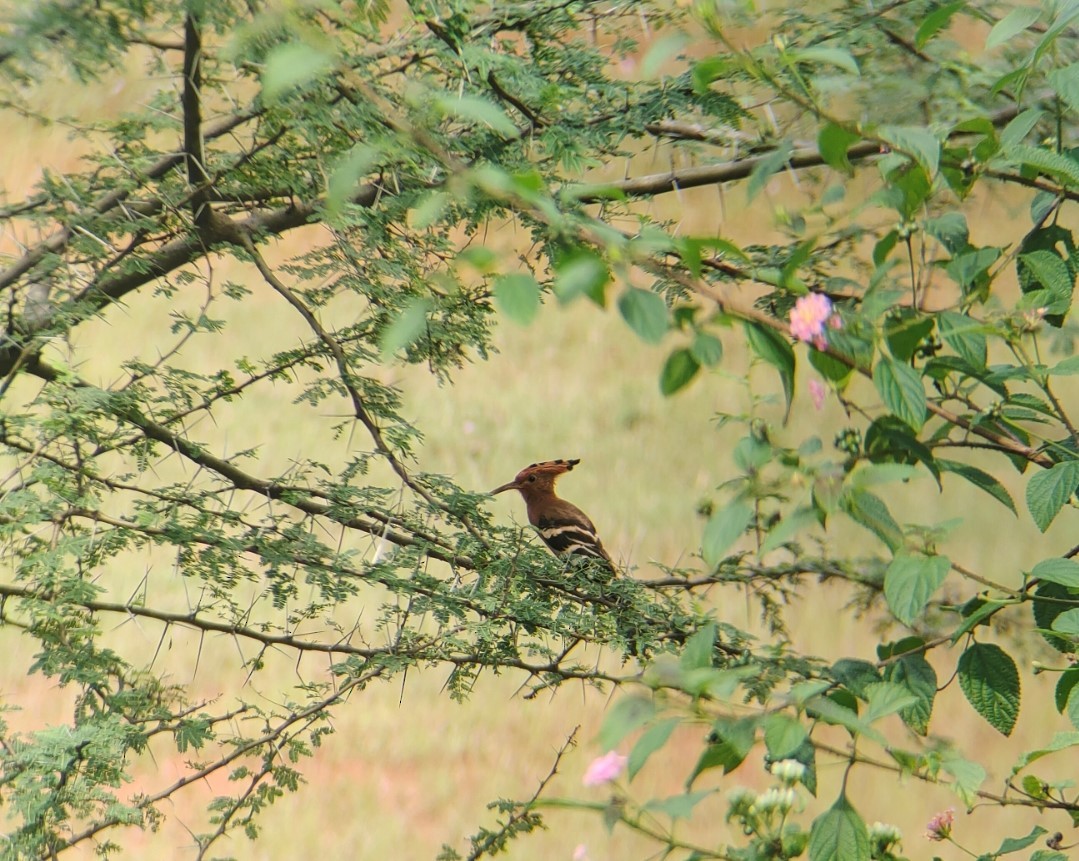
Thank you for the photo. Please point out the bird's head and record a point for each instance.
(538, 478)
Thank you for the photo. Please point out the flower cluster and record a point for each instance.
(604, 769)
(810, 316)
(940, 826)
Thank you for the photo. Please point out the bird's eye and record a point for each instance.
(531, 478)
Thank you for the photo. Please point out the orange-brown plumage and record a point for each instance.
(564, 528)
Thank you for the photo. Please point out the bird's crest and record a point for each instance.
(546, 467)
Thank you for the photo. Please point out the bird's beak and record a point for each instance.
(509, 486)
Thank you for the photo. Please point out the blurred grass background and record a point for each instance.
(408, 769)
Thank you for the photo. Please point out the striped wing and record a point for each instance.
(569, 535)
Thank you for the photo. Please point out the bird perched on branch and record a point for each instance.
(564, 528)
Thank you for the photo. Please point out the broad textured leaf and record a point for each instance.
(678, 370)
(936, 21)
(919, 143)
(1067, 624)
(733, 740)
(1064, 687)
(765, 167)
(1012, 24)
(625, 716)
(1057, 165)
(697, 652)
(706, 349)
(1048, 490)
(969, 776)
(833, 141)
(518, 297)
(1050, 600)
(989, 679)
(964, 335)
(651, 740)
(917, 675)
(724, 528)
(855, 675)
(982, 479)
(910, 581)
(886, 698)
(774, 349)
(645, 312)
(839, 834)
(1057, 570)
(869, 510)
(783, 735)
(901, 388)
(1015, 844)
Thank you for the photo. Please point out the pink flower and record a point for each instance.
(809, 316)
(581, 853)
(817, 393)
(604, 769)
(940, 826)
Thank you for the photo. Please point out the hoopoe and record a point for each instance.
(564, 528)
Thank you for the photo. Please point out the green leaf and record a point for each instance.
(679, 806)
(833, 141)
(293, 65)
(837, 57)
(783, 735)
(980, 478)
(1012, 24)
(625, 716)
(1065, 367)
(697, 652)
(477, 110)
(1065, 83)
(969, 776)
(770, 346)
(886, 698)
(901, 388)
(733, 740)
(910, 581)
(724, 528)
(767, 165)
(787, 527)
(1047, 491)
(578, 273)
(1057, 570)
(1050, 600)
(839, 834)
(1056, 165)
(1065, 685)
(964, 335)
(905, 330)
(645, 312)
(404, 329)
(518, 297)
(917, 142)
(1072, 707)
(662, 50)
(868, 510)
(936, 21)
(917, 675)
(1017, 130)
(1049, 271)
(651, 740)
(855, 675)
(679, 369)
(989, 680)
(346, 175)
(706, 349)
(1067, 624)
(1015, 844)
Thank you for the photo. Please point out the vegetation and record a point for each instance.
(398, 146)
